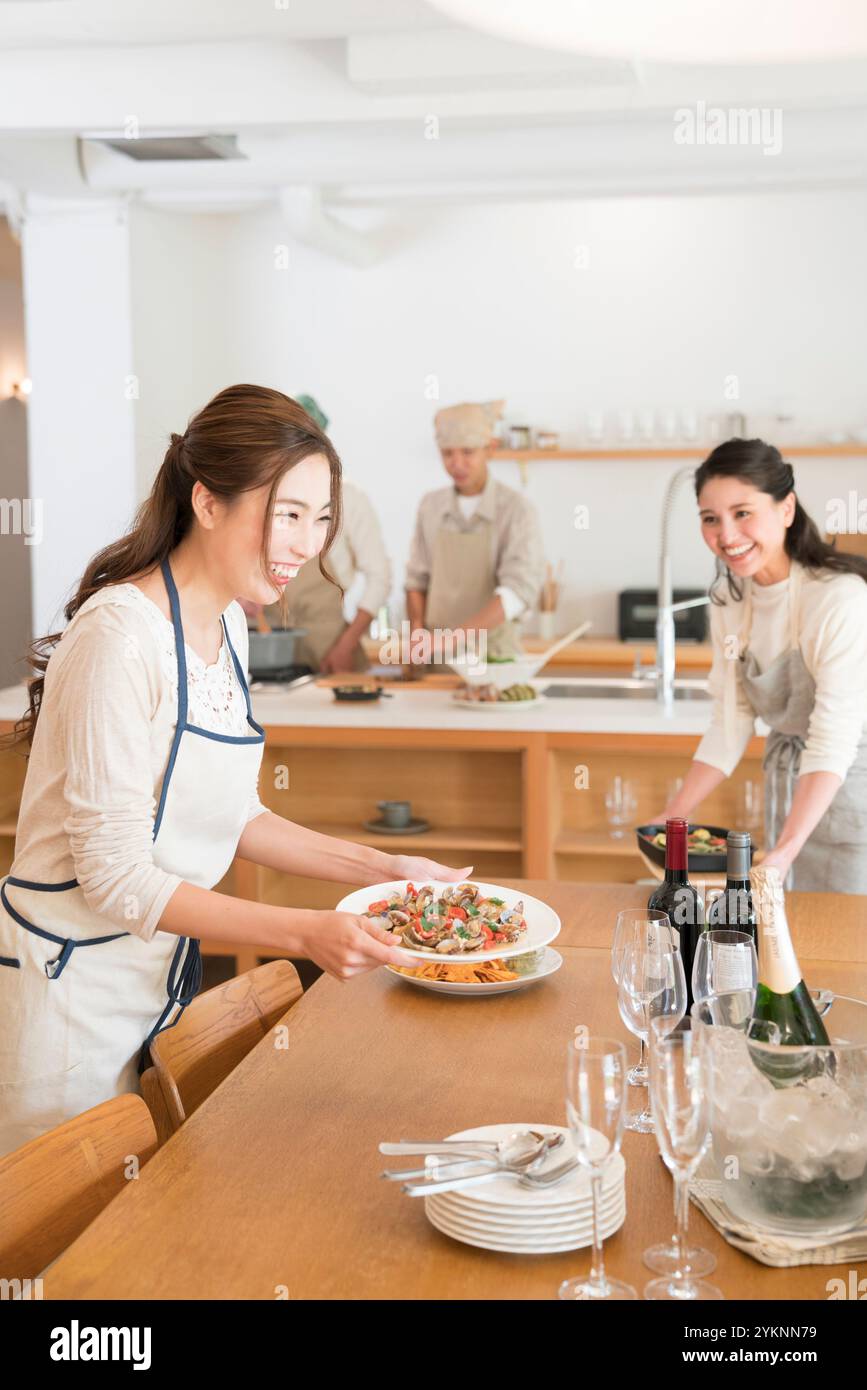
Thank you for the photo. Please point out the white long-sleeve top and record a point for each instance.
(832, 636)
(102, 743)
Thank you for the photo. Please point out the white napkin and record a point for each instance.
(706, 1191)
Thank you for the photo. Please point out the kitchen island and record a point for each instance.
(515, 792)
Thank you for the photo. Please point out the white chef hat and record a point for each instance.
(467, 426)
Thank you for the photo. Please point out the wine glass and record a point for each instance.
(621, 804)
(725, 960)
(680, 1090)
(624, 929)
(750, 806)
(595, 1109)
(652, 986)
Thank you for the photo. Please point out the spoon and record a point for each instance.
(519, 1160)
(508, 1155)
(572, 636)
(433, 1146)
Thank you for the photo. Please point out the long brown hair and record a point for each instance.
(246, 437)
(764, 466)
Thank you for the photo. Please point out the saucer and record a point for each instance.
(415, 826)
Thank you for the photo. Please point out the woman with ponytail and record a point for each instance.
(142, 774)
(789, 629)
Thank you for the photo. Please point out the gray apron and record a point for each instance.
(834, 858)
(463, 578)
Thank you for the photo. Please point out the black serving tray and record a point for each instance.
(696, 863)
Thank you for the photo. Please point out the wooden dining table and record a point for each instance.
(272, 1188)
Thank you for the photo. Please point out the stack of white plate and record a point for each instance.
(503, 1214)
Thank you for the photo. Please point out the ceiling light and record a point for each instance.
(676, 31)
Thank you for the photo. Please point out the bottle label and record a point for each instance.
(732, 968)
(778, 964)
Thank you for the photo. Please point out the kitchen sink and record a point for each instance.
(621, 688)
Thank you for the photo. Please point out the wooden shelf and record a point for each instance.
(444, 837)
(595, 842)
(697, 451)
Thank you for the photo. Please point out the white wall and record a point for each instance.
(677, 295)
(80, 420)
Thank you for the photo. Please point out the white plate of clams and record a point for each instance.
(494, 904)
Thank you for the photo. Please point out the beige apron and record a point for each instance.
(316, 605)
(80, 999)
(834, 858)
(463, 578)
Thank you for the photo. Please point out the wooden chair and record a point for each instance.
(215, 1033)
(52, 1187)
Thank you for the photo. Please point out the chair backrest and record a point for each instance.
(853, 542)
(217, 1030)
(52, 1187)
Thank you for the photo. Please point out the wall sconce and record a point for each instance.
(22, 389)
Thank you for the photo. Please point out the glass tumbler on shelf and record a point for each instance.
(621, 805)
(750, 807)
(595, 1109)
(681, 1078)
(650, 985)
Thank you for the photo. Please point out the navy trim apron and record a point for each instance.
(211, 777)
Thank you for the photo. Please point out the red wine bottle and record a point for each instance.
(679, 899)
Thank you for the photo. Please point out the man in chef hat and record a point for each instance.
(476, 562)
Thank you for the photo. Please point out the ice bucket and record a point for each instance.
(789, 1124)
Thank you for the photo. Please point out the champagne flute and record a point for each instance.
(595, 1109)
(725, 960)
(624, 929)
(652, 986)
(681, 1078)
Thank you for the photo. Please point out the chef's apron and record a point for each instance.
(463, 578)
(316, 605)
(834, 858)
(80, 1004)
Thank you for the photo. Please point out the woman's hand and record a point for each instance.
(344, 944)
(779, 857)
(417, 870)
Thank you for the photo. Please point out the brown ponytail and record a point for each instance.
(247, 437)
(763, 465)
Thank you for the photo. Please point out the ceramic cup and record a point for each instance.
(395, 813)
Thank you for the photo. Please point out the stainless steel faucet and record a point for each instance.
(666, 609)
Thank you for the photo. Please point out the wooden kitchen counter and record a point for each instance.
(271, 1188)
(517, 792)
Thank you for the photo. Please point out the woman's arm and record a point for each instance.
(699, 782)
(813, 795)
(341, 943)
(277, 843)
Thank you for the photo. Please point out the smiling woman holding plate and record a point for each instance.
(142, 776)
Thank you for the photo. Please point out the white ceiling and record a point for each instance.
(340, 94)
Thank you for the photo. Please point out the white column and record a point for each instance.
(81, 411)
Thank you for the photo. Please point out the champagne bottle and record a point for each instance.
(733, 907)
(679, 899)
(782, 997)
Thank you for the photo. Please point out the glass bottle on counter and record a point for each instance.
(679, 899)
(734, 906)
